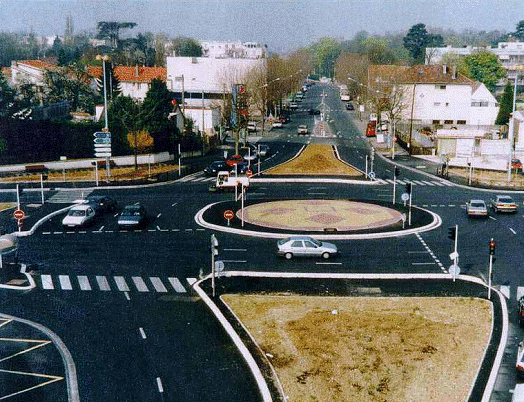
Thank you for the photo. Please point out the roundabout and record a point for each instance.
(322, 218)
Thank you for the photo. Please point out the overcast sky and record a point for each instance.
(281, 24)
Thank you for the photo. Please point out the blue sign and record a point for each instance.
(102, 140)
(102, 134)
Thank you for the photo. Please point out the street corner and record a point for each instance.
(322, 218)
(14, 276)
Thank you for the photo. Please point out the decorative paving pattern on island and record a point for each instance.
(317, 215)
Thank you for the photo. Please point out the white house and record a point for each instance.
(439, 96)
(205, 118)
(204, 81)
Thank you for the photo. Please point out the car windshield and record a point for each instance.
(477, 204)
(77, 212)
(506, 200)
(316, 242)
(131, 212)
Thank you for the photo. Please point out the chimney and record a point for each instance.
(454, 73)
(444, 69)
(136, 71)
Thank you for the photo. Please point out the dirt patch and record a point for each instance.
(369, 348)
(315, 159)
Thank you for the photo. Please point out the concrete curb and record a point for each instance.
(32, 283)
(255, 370)
(437, 221)
(41, 221)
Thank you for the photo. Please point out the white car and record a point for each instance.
(477, 208)
(305, 246)
(276, 124)
(302, 129)
(79, 215)
(251, 127)
(503, 203)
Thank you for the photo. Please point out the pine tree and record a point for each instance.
(505, 105)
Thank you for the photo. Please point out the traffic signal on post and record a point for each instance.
(492, 246)
(214, 245)
(452, 233)
(408, 188)
(397, 172)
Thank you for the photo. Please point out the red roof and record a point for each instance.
(42, 64)
(133, 74)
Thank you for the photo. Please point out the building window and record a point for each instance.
(461, 121)
(448, 121)
(479, 104)
(440, 86)
(436, 104)
(436, 121)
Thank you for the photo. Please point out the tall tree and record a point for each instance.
(484, 67)
(7, 98)
(111, 30)
(519, 33)
(327, 51)
(505, 105)
(156, 107)
(186, 47)
(417, 39)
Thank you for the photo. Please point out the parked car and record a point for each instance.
(102, 203)
(503, 203)
(215, 167)
(251, 127)
(132, 216)
(305, 246)
(79, 215)
(234, 159)
(477, 208)
(293, 105)
(349, 106)
(276, 123)
(302, 129)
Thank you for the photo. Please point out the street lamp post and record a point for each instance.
(511, 127)
(106, 128)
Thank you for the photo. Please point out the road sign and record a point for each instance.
(404, 197)
(19, 214)
(102, 134)
(453, 255)
(102, 140)
(249, 173)
(371, 175)
(454, 270)
(219, 266)
(228, 214)
(102, 148)
(103, 154)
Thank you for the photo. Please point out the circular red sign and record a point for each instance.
(249, 173)
(228, 214)
(19, 214)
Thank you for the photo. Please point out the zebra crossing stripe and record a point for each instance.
(401, 182)
(418, 182)
(438, 183)
(140, 284)
(158, 285)
(199, 179)
(381, 181)
(177, 285)
(47, 282)
(121, 284)
(427, 183)
(103, 284)
(83, 282)
(65, 283)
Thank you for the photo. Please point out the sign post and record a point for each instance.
(228, 214)
(102, 143)
(19, 215)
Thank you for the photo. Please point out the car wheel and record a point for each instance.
(326, 255)
(288, 256)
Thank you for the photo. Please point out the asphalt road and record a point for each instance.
(121, 301)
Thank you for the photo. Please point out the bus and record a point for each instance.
(344, 93)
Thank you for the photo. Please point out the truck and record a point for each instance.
(228, 181)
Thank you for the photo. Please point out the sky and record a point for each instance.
(281, 24)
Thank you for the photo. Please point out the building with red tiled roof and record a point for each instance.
(436, 96)
(134, 80)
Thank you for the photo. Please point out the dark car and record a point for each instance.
(349, 106)
(216, 167)
(132, 216)
(102, 204)
(242, 167)
(314, 111)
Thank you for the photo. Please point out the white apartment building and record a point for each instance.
(236, 50)
(204, 81)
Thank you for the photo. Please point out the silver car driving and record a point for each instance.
(305, 246)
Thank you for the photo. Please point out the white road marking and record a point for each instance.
(328, 263)
(65, 283)
(142, 333)
(235, 249)
(177, 285)
(140, 284)
(83, 282)
(103, 284)
(47, 282)
(121, 284)
(490, 217)
(159, 385)
(158, 285)
(512, 231)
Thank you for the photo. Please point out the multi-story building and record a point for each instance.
(236, 50)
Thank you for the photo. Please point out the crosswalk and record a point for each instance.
(431, 183)
(117, 283)
(69, 196)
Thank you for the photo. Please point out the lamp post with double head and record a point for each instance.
(105, 58)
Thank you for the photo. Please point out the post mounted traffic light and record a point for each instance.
(408, 188)
(452, 233)
(492, 246)
(397, 172)
(214, 245)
